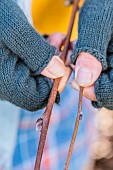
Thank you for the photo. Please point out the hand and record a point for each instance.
(87, 71)
(56, 39)
(68, 72)
(56, 67)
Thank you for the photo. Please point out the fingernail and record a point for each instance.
(58, 58)
(56, 67)
(57, 73)
(83, 76)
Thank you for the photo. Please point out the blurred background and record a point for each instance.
(101, 149)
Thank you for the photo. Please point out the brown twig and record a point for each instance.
(48, 111)
(79, 117)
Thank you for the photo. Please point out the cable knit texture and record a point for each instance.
(22, 52)
(95, 35)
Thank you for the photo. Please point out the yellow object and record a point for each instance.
(51, 16)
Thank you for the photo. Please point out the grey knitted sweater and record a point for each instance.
(96, 37)
(23, 52)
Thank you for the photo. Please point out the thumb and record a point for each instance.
(87, 70)
(88, 92)
(55, 68)
(83, 76)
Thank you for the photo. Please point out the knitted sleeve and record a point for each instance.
(19, 36)
(104, 91)
(26, 92)
(95, 29)
(20, 88)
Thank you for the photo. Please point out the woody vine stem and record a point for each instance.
(53, 94)
(79, 117)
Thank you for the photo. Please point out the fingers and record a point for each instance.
(88, 69)
(72, 66)
(75, 85)
(73, 44)
(83, 76)
(55, 68)
(88, 92)
(70, 51)
(68, 60)
(56, 39)
(64, 79)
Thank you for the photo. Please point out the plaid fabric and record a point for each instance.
(59, 136)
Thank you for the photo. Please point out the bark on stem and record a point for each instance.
(48, 111)
(79, 117)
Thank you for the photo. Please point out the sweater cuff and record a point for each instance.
(94, 52)
(104, 92)
(98, 103)
(44, 81)
(44, 63)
